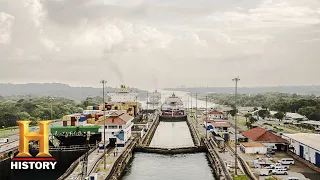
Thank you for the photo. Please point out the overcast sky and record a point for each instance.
(163, 43)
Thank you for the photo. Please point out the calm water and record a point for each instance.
(172, 134)
(169, 167)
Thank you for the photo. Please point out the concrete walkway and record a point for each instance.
(102, 174)
(92, 158)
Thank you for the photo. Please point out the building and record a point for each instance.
(118, 128)
(219, 128)
(315, 124)
(305, 145)
(294, 116)
(267, 138)
(123, 95)
(212, 115)
(253, 148)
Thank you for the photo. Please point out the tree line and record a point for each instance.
(306, 105)
(40, 108)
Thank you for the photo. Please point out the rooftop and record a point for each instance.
(214, 112)
(220, 124)
(261, 135)
(309, 139)
(311, 122)
(252, 144)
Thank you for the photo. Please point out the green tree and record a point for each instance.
(263, 113)
(306, 111)
(247, 116)
(279, 116)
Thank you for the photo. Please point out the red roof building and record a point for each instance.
(261, 135)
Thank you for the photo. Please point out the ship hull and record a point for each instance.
(174, 118)
(64, 160)
(78, 140)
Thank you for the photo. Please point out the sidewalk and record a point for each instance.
(102, 174)
(92, 158)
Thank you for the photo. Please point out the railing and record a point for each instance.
(75, 164)
(73, 147)
(94, 166)
(220, 164)
(119, 161)
(195, 132)
(245, 166)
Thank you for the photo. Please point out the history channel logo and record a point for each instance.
(24, 160)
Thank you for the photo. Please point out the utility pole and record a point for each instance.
(104, 126)
(84, 170)
(191, 105)
(206, 117)
(147, 105)
(236, 131)
(153, 100)
(197, 108)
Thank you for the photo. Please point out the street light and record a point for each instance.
(206, 117)
(104, 125)
(235, 129)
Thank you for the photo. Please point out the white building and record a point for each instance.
(305, 145)
(212, 115)
(315, 124)
(118, 128)
(123, 95)
(253, 148)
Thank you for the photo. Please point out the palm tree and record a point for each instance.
(248, 116)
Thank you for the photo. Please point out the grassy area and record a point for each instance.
(16, 127)
(240, 177)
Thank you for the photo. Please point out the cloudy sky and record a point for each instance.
(163, 43)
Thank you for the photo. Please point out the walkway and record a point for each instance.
(92, 158)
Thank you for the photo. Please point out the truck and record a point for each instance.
(279, 165)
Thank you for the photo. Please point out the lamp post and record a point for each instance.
(104, 125)
(147, 105)
(235, 128)
(197, 108)
(206, 117)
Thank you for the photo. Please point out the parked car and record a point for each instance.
(279, 165)
(292, 178)
(286, 161)
(265, 172)
(280, 171)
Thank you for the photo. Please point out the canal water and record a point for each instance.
(172, 134)
(147, 166)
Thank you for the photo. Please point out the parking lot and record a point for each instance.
(298, 170)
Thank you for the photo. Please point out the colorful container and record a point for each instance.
(90, 108)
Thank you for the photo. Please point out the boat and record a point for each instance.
(173, 109)
(76, 126)
(154, 100)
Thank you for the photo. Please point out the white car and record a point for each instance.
(281, 171)
(292, 178)
(265, 172)
(286, 161)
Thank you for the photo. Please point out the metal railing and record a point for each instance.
(221, 164)
(244, 164)
(74, 165)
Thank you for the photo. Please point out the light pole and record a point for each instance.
(206, 117)
(191, 105)
(235, 128)
(197, 108)
(104, 125)
(147, 106)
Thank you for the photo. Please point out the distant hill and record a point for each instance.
(57, 90)
(303, 90)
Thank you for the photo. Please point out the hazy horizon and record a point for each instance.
(160, 44)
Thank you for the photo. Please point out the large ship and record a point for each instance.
(75, 127)
(173, 108)
(154, 100)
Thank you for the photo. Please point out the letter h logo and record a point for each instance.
(42, 136)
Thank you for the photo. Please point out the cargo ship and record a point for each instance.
(154, 100)
(173, 109)
(76, 126)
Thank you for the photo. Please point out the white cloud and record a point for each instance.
(6, 23)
